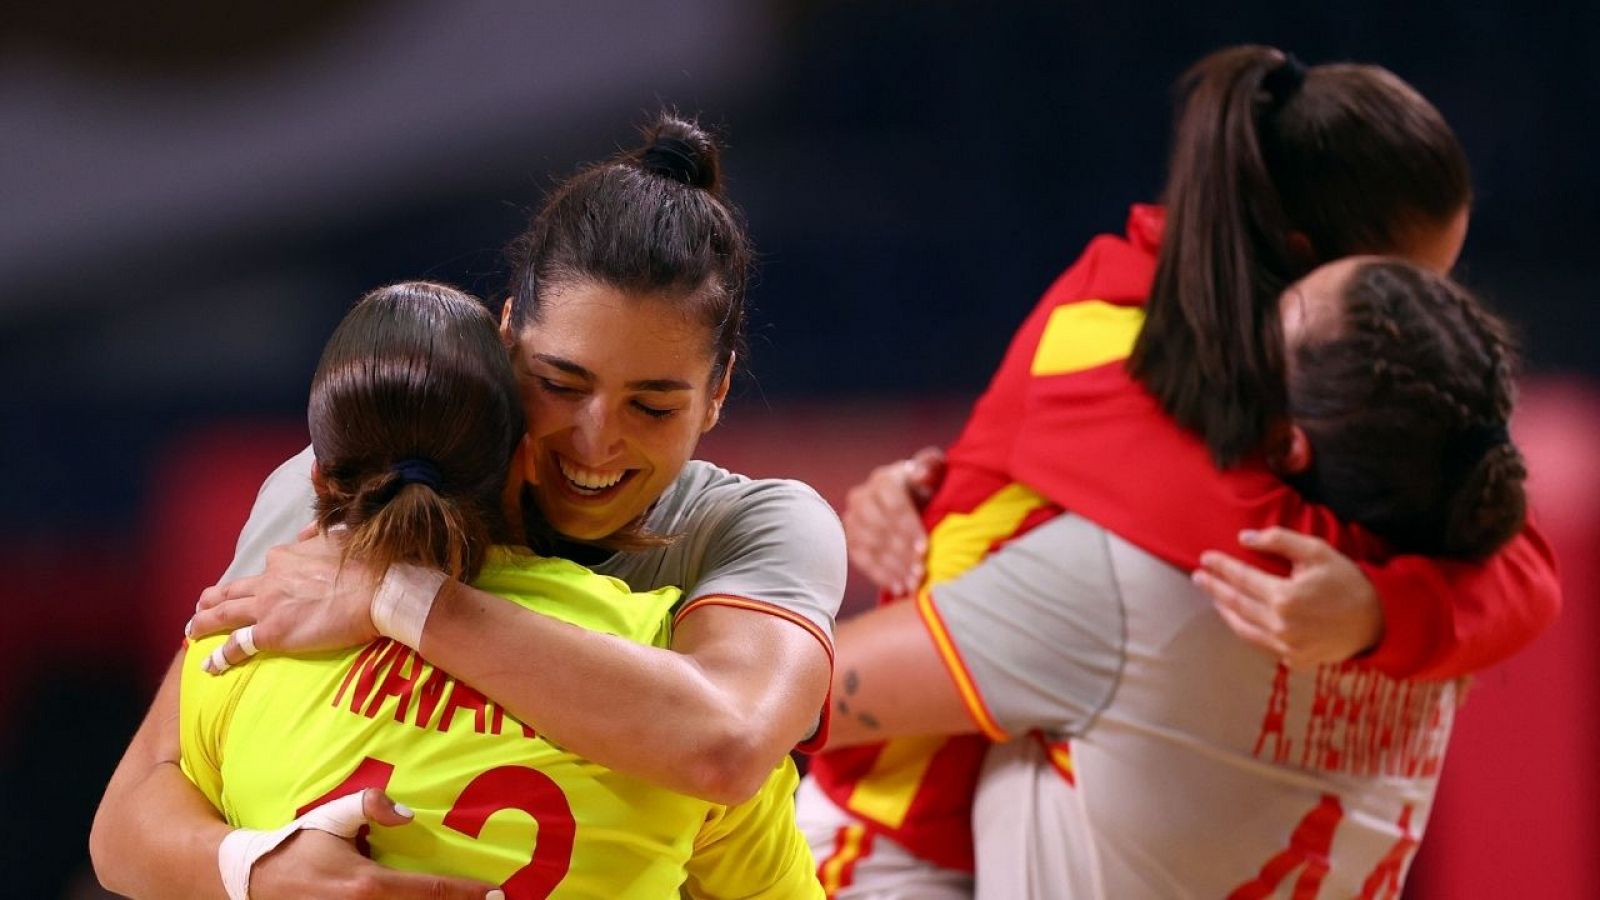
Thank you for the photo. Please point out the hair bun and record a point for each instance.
(678, 149)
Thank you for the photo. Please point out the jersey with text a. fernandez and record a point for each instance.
(493, 801)
(771, 545)
(1063, 425)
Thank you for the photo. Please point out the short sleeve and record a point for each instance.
(779, 549)
(283, 507)
(754, 849)
(1033, 636)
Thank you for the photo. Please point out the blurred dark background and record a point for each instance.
(192, 193)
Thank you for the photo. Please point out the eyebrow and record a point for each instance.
(647, 384)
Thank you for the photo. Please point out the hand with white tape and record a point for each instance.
(315, 857)
(311, 599)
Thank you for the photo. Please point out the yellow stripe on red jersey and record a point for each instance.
(493, 800)
(919, 790)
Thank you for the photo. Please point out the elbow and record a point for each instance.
(730, 767)
(100, 853)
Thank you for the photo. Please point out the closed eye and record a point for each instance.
(654, 412)
(556, 387)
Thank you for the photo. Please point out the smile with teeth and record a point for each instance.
(589, 482)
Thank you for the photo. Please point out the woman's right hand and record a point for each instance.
(883, 520)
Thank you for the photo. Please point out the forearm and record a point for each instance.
(1447, 619)
(155, 835)
(710, 723)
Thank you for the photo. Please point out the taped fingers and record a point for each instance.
(342, 817)
(240, 646)
(246, 637)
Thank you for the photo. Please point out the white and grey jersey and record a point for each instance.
(774, 541)
(1199, 765)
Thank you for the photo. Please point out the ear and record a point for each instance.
(518, 474)
(319, 482)
(1288, 449)
(1297, 452)
(714, 411)
(523, 461)
(1301, 250)
(506, 336)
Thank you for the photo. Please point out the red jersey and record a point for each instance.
(1063, 426)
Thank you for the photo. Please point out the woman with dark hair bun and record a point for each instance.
(1146, 392)
(415, 424)
(623, 324)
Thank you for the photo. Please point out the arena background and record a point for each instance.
(191, 195)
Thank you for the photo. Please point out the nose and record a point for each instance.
(596, 436)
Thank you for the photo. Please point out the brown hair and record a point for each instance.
(1406, 407)
(651, 221)
(1347, 156)
(414, 417)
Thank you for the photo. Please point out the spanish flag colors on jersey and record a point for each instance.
(919, 790)
(1064, 426)
(494, 801)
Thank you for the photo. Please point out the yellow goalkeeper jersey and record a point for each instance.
(493, 800)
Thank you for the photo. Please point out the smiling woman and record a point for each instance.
(620, 390)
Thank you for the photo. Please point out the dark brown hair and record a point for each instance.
(650, 222)
(1406, 405)
(1347, 156)
(414, 417)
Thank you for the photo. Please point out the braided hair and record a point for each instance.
(1406, 407)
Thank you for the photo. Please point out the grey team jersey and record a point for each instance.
(774, 541)
(1199, 765)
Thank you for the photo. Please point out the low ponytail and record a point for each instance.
(393, 520)
(414, 418)
(1491, 505)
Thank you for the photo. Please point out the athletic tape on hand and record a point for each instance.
(246, 637)
(240, 850)
(404, 598)
(217, 662)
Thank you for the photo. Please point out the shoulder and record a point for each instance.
(707, 496)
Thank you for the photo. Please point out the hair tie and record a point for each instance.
(1476, 442)
(1283, 82)
(674, 158)
(415, 470)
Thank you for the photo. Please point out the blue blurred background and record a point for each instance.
(191, 194)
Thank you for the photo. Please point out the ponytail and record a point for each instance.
(414, 418)
(1275, 168)
(1209, 348)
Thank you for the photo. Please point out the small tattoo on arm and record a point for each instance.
(843, 707)
(852, 681)
(867, 719)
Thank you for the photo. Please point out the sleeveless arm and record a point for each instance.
(1446, 619)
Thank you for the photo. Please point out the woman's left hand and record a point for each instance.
(310, 598)
(1324, 611)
